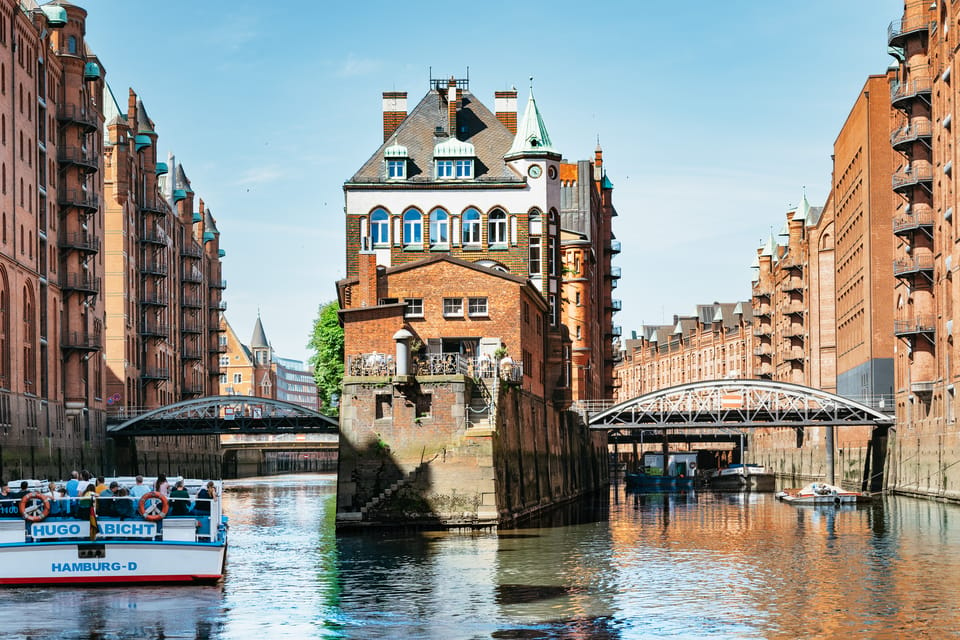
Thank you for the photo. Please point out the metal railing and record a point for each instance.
(906, 26)
(912, 176)
(912, 131)
(918, 324)
(912, 265)
(436, 364)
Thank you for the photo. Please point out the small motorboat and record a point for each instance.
(821, 493)
(742, 477)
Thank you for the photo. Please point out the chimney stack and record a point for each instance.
(394, 111)
(453, 103)
(505, 104)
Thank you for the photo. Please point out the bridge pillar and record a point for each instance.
(249, 463)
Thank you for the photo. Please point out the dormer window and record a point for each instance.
(453, 160)
(396, 157)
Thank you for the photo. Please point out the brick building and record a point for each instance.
(715, 343)
(456, 253)
(253, 369)
(51, 229)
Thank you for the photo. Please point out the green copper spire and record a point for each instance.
(532, 136)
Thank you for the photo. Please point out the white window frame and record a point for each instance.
(444, 169)
(396, 169)
(224, 361)
(439, 228)
(412, 228)
(453, 307)
(414, 308)
(472, 228)
(380, 229)
(238, 378)
(477, 307)
(497, 228)
(463, 168)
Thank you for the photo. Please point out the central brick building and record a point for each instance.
(467, 236)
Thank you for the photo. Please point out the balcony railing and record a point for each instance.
(82, 282)
(153, 235)
(191, 250)
(907, 222)
(192, 302)
(191, 326)
(912, 176)
(218, 305)
(81, 241)
(916, 325)
(794, 308)
(79, 156)
(616, 305)
(914, 265)
(614, 272)
(917, 85)
(153, 373)
(153, 299)
(191, 275)
(153, 268)
(762, 291)
(614, 246)
(191, 353)
(917, 129)
(794, 355)
(81, 341)
(79, 199)
(192, 389)
(154, 330)
(218, 284)
(900, 29)
(154, 205)
(73, 113)
(762, 331)
(794, 331)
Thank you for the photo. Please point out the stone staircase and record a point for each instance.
(392, 489)
(479, 410)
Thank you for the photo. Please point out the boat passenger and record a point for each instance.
(106, 501)
(86, 501)
(161, 486)
(8, 506)
(73, 484)
(205, 497)
(123, 505)
(179, 500)
(59, 502)
(101, 485)
(24, 490)
(139, 489)
(85, 477)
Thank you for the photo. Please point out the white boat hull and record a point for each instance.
(111, 562)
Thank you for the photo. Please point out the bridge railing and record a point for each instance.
(435, 364)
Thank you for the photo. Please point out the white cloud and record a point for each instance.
(354, 66)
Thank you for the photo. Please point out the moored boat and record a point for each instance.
(742, 477)
(119, 539)
(821, 493)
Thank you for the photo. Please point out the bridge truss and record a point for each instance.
(737, 404)
(215, 415)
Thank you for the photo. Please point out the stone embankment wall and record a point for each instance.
(417, 453)
(799, 456)
(925, 462)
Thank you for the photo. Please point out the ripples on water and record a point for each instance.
(692, 565)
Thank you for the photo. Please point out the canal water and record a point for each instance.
(693, 565)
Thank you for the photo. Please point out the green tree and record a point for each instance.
(327, 358)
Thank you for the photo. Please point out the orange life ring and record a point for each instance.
(154, 513)
(33, 513)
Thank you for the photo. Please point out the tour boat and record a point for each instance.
(150, 546)
(821, 493)
(742, 477)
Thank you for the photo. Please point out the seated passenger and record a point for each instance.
(86, 501)
(204, 498)
(179, 500)
(9, 507)
(105, 502)
(59, 501)
(124, 506)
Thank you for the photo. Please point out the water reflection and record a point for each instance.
(662, 565)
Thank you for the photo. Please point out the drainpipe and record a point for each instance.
(830, 448)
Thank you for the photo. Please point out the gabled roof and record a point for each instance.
(418, 133)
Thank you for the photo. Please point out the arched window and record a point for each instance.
(439, 228)
(412, 228)
(380, 228)
(497, 228)
(471, 227)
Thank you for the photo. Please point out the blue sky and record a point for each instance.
(713, 117)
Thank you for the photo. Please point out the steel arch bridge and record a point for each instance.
(216, 415)
(736, 404)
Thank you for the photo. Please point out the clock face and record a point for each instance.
(534, 171)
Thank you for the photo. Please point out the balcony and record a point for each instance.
(80, 241)
(918, 129)
(763, 330)
(153, 268)
(154, 330)
(919, 325)
(792, 285)
(762, 291)
(153, 299)
(794, 308)
(217, 348)
(793, 355)
(615, 331)
(192, 389)
(906, 223)
(78, 199)
(81, 341)
(763, 371)
(81, 282)
(794, 331)
(899, 30)
(614, 247)
(192, 302)
(764, 350)
(191, 275)
(909, 267)
(762, 312)
(222, 284)
(918, 86)
(153, 235)
(83, 158)
(156, 206)
(615, 305)
(191, 250)
(218, 305)
(791, 262)
(74, 114)
(614, 273)
(154, 373)
(905, 179)
(191, 326)
(191, 353)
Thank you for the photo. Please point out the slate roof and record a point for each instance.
(476, 124)
(259, 339)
